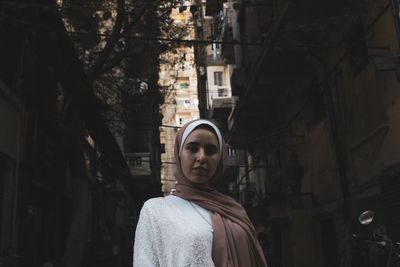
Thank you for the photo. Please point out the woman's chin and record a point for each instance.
(198, 179)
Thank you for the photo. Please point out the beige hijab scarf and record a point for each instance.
(235, 241)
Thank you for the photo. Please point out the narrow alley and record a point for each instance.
(306, 95)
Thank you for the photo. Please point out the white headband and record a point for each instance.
(193, 126)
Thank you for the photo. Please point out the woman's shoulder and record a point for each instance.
(152, 207)
(153, 203)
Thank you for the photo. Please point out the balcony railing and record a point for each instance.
(223, 92)
(138, 163)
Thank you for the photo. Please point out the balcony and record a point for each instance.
(138, 163)
(221, 107)
(214, 60)
(222, 102)
(221, 98)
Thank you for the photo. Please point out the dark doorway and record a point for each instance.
(329, 245)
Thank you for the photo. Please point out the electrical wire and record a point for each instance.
(210, 42)
(191, 42)
(65, 7)
(75, 6)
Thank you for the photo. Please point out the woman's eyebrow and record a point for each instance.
(193, 143)
(211, 144)
(198, 143)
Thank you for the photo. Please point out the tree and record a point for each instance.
(118, 42)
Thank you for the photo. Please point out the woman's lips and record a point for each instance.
(200, 170)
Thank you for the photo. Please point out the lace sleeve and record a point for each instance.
(144, 251)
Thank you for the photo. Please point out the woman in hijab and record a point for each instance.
(196, 225)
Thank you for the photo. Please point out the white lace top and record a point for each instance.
(173, 232)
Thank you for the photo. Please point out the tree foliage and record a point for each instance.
(118, 42)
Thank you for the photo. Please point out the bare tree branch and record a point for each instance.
(121, 27)
(95, 71)
(108, 65)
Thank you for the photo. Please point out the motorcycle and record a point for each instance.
(378, 248)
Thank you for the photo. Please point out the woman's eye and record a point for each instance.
(210, 150)
(192, 148)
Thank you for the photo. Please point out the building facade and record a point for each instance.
(314, 119)
(67, 195)
(178, 78)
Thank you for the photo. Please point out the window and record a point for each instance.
(231, 152)
(184, 85)
(184, 103)
(134, 161)
(222, 92)
(183, 82)
(182, 121)
(162, 148)
(218, 78)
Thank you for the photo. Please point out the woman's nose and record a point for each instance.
(201, 155)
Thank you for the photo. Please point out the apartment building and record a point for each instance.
(178, 79)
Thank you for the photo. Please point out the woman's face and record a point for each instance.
(200, 156)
